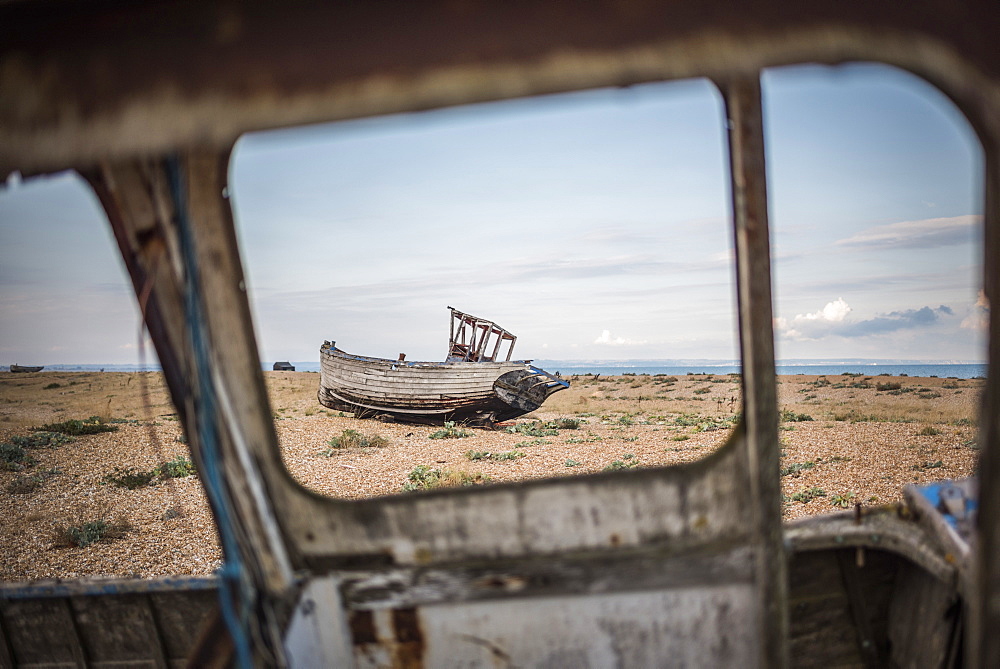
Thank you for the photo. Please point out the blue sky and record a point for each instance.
(593, 225)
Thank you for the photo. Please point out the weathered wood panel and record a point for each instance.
(118, 630)
(180, 615)
(693, 627)
(924, 620)
(41, 633)
(104, 623)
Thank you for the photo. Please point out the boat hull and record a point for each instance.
(21, 369)
(432, 392)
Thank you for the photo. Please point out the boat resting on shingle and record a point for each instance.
(477, 384)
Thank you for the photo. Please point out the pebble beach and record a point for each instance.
(844, 439)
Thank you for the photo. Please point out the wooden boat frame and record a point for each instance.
(149, 116)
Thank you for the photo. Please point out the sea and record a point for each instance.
(942, 369)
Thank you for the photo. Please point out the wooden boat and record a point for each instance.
(25, 370)
(473, 385)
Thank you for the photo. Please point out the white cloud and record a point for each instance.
(833, 320)
(833, 312)
(926, 233)
(607, 340)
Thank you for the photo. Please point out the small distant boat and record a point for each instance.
(475, 385)
(24, 370)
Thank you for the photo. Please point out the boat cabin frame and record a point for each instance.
(474, 339)
(689, 565)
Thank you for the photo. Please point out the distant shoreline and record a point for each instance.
(963, 370)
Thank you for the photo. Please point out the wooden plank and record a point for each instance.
(869, 647)
(42, 632)
(6, 654)
(923, 617)
(179, 616)
(822, 633)
(760, 412)
(118, 629)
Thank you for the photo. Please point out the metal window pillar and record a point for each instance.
(744, 120)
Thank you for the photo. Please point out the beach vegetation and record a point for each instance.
(888, 385)
(797, 468)
(842, 501)
(80, 427)
(627, 461)
(590, 438)
(41, 440)
(131, 478)
(425, 477)
(534, 442)
(23, 485)
(500, 456)
(90, 532)
(807, 495)
(354, 439)
(14, 458)
(178, 468)
(450, 431)
(533, 429)
(789, 416)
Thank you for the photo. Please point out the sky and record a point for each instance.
(594, 225)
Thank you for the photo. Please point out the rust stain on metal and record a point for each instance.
(363, 628)
(409, 648)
